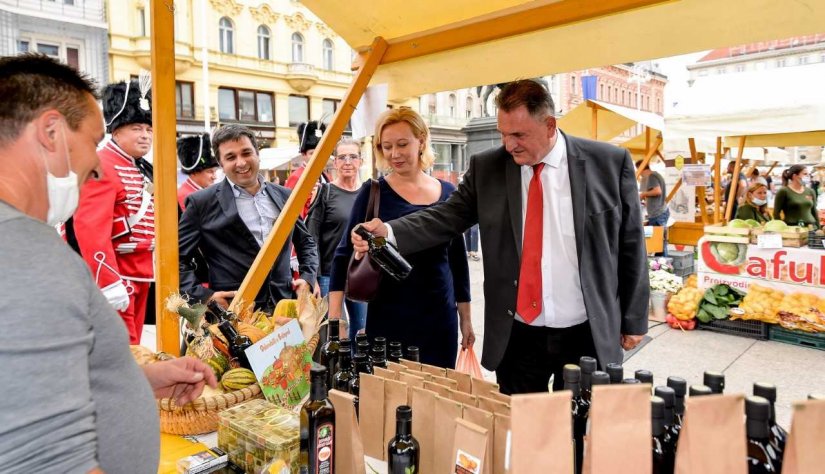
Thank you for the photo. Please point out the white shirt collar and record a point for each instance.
(557, 154)
(237, 190)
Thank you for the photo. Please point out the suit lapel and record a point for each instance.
(577, 170)
(226, 198)
(513, 184)
(274, 196)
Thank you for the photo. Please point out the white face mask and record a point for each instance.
(759, 202)
(64, 193)
(806, 180)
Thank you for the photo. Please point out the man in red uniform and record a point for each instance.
(115, 220)
(197, 162)
(309, 136)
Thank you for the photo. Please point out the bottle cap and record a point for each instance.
(363, 346)
(644, 376)
(345, 343)
(629, 381)
(600, 378)
(757, 408)
(318, 371)
(344, 351)
(395, 346)
(678, 384)
(413, 351)
(403, 413)
(360, 358)
(657, 414)
(361, 337)
(588, 364)
(571, 373)
(667, 394)
(715, 380)
(616, 372)
(334, 324)
(379, 341)
(396, 355)
(765, 390)
(699, 390)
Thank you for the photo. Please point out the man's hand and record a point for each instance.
(117, 295)
(223, 298)
(181, 379)
(375, 227)
(468, 336)
(629, 342)
(298, 284)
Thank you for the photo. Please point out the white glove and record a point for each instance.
(117, 295)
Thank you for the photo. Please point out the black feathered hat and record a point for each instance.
(195, 154)
(128, 102)
(309, 135)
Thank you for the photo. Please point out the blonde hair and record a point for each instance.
(426, 158)
(749, 197)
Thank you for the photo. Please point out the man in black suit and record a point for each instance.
(229, 222)
(564, 265)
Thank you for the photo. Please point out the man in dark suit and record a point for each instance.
(564, 265)
(229, 222)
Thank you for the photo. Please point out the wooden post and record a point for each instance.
(733, 189)
(648, 156)
(594, 121)
(166, 175)
(700, 190)
(286, 219)
(717, 183)
(772, 167)
(674, 190)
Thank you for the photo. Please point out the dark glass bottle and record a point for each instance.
(381, 344)
(572, 381)
(344, 343)
(679, 386)
(629, 381)
(329, 351)
(616, 372)
(317, 427)
(237, 344)
(218, 314)
(363, 347)
(396, 356)
(402, 451)
(715, 381)
(385, 255)
(361, 337)
(362, 366)
(663, 461)
(395, 346)
(588, 366)
(600, 378)
(778, 435)
(699, 390)
(413, 354)
(671, 436)
(644, 376)
(345, 371)
(378, 358)
(762, 457)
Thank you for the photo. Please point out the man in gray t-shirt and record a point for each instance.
(75, 400)
(653, 191)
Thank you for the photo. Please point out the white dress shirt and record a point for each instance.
(258, 212)
(562, 300)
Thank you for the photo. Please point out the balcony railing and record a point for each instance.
(447, 121)
(64, 10)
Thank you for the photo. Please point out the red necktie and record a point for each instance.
(529, 283)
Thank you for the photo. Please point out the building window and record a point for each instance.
(740, 68)
(226, 33)
(636, 99)
(469, 106)
(721, 70)
(328, 55)
(647, 102)
(453, 104)
(623, 98)
(573, 84)
(601, 91)
(73, 57)
(50, 50)
(22, 46)
(803, 60)
(141, 21)
(250, 106)
(298, 110)
(431, 107)
(263, 42)
(329, 106)
(184, 100)
(297, 48)
(780, 62)
(659, 104)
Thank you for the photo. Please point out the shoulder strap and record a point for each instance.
(375, 199)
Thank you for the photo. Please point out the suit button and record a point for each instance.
(515, 283)
(509, 313)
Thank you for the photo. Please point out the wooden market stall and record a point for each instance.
(434, 45)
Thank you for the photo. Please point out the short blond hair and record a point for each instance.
(404, 114)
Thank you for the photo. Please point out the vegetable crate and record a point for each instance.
(685, 271)
(793, 237)
(681, 259)
(733, 235)
(816, 241)
(798, 338)
(743, 328)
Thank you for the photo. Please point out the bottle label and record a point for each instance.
(466, 463)
(324, 446)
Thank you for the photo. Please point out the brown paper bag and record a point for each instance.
(410, 364)
(501, 426)
(446, 413)
(804, 452)
(396, 367)
(385, 373)
(411, 379)
(620, 430)
(349, 450)
(371, 419)
(447, 382)
(418, 373)
(493, 406)
(469, 449)
(541, 423)
(496, 395)
(465, 398)
(434, 370)
(484, 419)
(481, 386)
(465, 383)
(718, 422)
(395, 395)
(437, 388)
(424, 424)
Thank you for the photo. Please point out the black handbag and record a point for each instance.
(364, 275)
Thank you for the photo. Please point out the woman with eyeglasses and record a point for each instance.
(327, 220)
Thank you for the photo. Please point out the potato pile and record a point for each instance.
(762, 304)
(683, 305)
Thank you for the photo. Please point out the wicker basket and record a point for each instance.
(201, 415)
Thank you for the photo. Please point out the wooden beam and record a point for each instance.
(733, 189)
(282, 228)
(647, 139)
(166, 175)
(717, 183)
(772, 167)
(512, 22)
(650, 153)
(594, 123)
(700, 190)
(674, 190)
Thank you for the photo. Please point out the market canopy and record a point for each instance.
(611, 120)
(436, 45)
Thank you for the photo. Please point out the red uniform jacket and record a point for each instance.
(115, 221)
(186, 188)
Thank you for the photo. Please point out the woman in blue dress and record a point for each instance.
(427, 308)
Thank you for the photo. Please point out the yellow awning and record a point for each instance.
(475, 43)
(815, 138)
